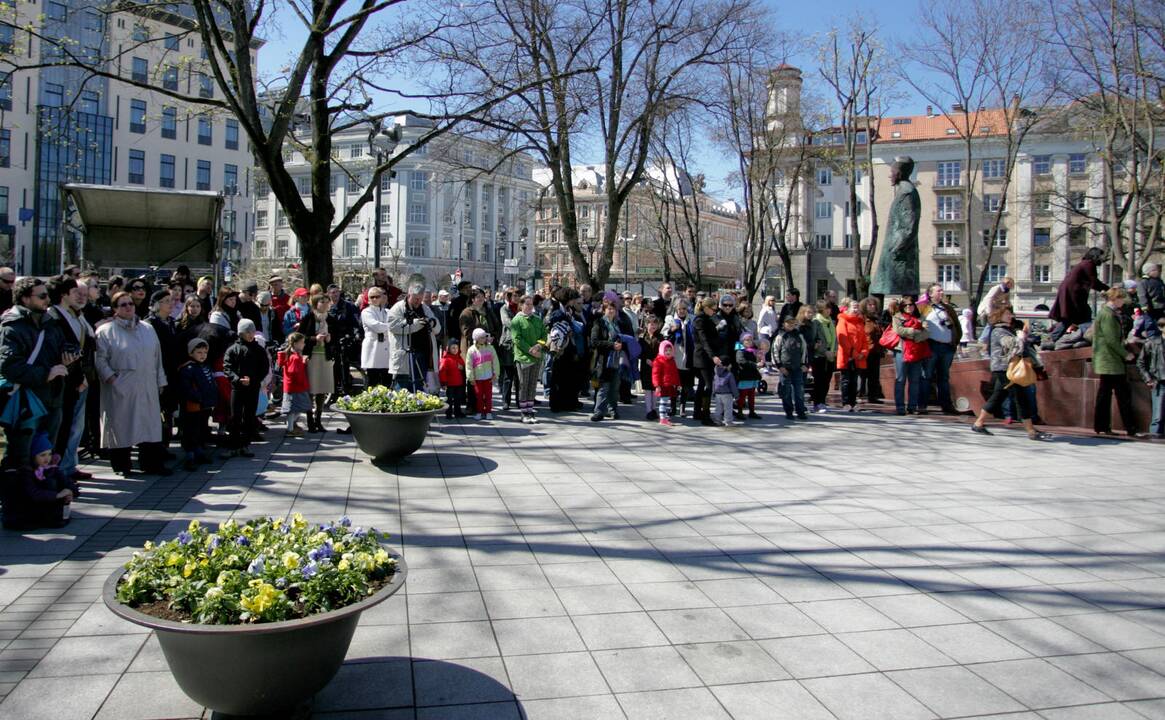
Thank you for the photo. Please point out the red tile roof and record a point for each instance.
(937, 127)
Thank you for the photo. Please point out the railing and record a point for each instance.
(948, 251)
(947, 216)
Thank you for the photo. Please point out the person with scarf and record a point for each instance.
(320, 351)
(299, 309)
(245, 365)
(40, 495)
(871, 380)
(132, 374)
(706, 357)
(68, 297)
(1006, 345)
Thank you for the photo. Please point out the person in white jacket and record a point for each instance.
(766, 321)
(1004, 289)
(376, 349)
(415, 352)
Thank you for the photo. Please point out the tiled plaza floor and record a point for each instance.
(851, 567)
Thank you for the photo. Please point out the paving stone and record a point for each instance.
(639, 669)
(953, 691)
(670, 704)
(865, 697)
(559, 675)
(465, 681)
(970, 643)
(530, 636)
(894, 649)
(1118, 677)
(697, 625)
(1038, 684)
(618, 630)
(42, 698)
(146, 696)
(532, 602)
(719, 663)
(594, 707)
(442, 641)
(782, 700)
(83, 655)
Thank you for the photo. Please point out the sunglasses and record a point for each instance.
(41, 296)
(124, 304)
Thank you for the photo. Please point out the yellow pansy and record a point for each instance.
(173, 559)
(290, 560)
(188, 570)
(297, 521)
(381, 557)
(193, 526)
(343, 564)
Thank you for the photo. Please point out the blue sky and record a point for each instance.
(894, 21)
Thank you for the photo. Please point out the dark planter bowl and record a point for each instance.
(388, 436)
(255, 669)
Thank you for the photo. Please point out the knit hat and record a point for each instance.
(218, 317)
(246, 326)
(194, 344)
(159, 296)
(264, 298)
(40, 443)
(479, 334)
(746, 336)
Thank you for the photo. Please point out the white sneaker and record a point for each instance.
(480, 416)
(492, 416)
(533, 419)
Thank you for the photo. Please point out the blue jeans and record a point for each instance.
(938, 372)
(793, 391)
(76, 429)
(906, 372)
(1157, 423)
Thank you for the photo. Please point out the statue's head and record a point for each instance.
(902, 169)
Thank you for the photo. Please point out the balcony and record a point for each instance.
(952, 286)
(949, 184)
(948, 251)
(947, 216)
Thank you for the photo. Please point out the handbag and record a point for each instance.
(1020, 372)
(889, 339)
(23, 409)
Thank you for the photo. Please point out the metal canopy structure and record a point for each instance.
(136, 227)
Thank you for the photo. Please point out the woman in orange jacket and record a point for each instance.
(853, 347)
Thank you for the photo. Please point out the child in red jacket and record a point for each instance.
(666, 378)
(295, 383)
(452, 377)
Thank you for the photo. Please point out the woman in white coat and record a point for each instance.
(766, 322)
(376, 350)
(129, 364)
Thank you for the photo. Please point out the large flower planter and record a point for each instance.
(390, 436)
(260, 669)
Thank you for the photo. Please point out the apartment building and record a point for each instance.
(455, 204)
(59, 124)
(638, 260)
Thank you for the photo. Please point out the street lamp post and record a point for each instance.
(376, 216)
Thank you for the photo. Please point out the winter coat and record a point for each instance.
(648, 351)
(129, 365)
(603, 340)
(195, 387)
(483, 362)
(18, 333)
(30, 501)
(1108, 347)
(747, 369)
(682, 334)
(472, 318)
(246, 359)
(912, 337)
(295, 374)
(291, 318)
(730, 327)
(723, 383)
(766, 322)
(527, 331)
(707, 341)
(311, 326)
(452, 372)
(376, 349)
(405, 335)
(789, 351)
(505, 345)
(1071, 304)
(1151, 362)
(826, 335)
(852, 341)
(1151, 296)
(664, 373)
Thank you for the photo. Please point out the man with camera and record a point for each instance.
(414, 350)
(942, 325)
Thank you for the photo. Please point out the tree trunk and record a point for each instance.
(316, 250)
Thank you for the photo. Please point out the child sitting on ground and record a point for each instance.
(39, 496)
(723, 396)
(665, 376)
(295, 383)
(197, 393)
(452, 378)
(482, 361)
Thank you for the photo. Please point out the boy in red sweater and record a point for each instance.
(666, 378)
(452, 377)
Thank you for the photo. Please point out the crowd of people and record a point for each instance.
(101, 368)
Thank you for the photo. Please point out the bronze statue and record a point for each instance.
(898, 267)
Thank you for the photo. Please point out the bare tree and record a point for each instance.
(675, 197)
(636, 60)
(351, 50)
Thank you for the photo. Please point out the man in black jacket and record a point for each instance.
(160, 318)
(247, 304)
(32, 355)
(245, 365)
(344, 322)
(68, 298)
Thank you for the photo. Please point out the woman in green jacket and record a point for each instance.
(529, 335)
(1109, 356)
(825, 358)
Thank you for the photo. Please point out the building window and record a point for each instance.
(5, 148)
(824, 176)
(823, 241)
(54, 94)
(950, 174)
(205, 85)
(260, 248)
(280, 218)
(89, 102)
(385, 181)
(1077, 163)
(141, 70)
(996, 273)
(230, 179)
(949, 207)
(354, 185)
(823, 209)
(1042, 202)
(351, 245)
(281, 247)
(137, 167)
(1042, 164)
(385, 214)
(418, 212)
(947, 242)
(205, 131)
(1041, 237)
(170, 78)
(140, 32)
(202, 180)
(950, 277)
(166, 171)
(261, 218)
(849, 241)
(137, 116)
(3, 204)
(56, 11)
(992, 202)
(993, 169)
(169, 122)
(303, 184)
(417, 180)
(171, 42)
(5, 87)
(1000, 237)
(1042, 274)
(418, 246)
(847, 208)
(355, 150)
(1079, 201)
(232, 134)
(94, 21)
